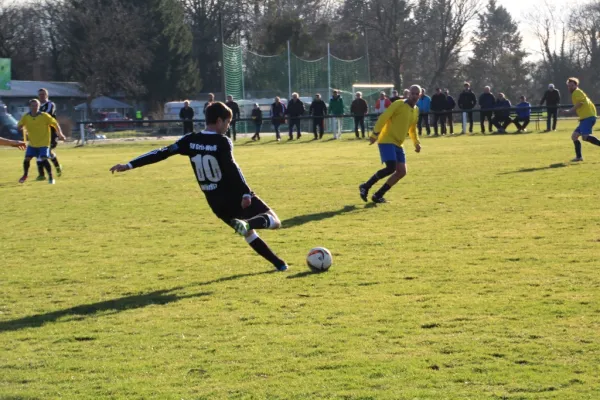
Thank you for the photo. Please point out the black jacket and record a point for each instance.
(438, 102)
(318, 108)
(450, 104)
(257, 115)
(467, 100)
(395, 98)
(235, 109)
(551, 97)
(487, 101)
(186, 113)
(277, 111)
(295, 108)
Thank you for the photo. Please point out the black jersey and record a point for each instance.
(211, 156)
(49, 107)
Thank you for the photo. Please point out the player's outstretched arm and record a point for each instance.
(152, 157)
(12, 143)
(119, 168)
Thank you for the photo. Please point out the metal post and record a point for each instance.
(329, 69)
(223, 82)
(289, 71)
(464, 122)
(82, 132)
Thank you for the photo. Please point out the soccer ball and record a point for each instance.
(319, 259)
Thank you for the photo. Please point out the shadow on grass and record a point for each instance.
(87, 310)
(551, 166)
(233, 277)
(303, 219)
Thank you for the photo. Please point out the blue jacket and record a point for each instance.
(451, 103)
(525, 110)
(487, 100)
(424, 104)
(503, 104)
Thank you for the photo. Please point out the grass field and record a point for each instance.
(478, 280)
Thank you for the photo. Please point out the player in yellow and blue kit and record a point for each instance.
(398, 121)
(586, 111)
(38, 124)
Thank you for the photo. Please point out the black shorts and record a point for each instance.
(53, 139)
(227, 210)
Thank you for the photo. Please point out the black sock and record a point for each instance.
(593, 140)
(26, 167)
(55, 162)
(577, 144)
(382, 191)
(372, 180)
(48, 168)
(261, 221)
(260, 247)
(40, 168)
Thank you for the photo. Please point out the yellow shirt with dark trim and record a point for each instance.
(398, 121)
(588, 109)
(38, 128)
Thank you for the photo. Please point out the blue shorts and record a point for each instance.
(585, 126)
(391, 152)
(37, 152)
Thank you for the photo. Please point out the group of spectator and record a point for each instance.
(495, 110)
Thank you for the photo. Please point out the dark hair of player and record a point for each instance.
(217, 110)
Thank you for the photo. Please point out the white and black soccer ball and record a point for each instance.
(319, 259)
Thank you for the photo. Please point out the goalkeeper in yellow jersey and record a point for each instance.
(38, 124)
(398, 121)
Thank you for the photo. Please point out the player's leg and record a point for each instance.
(575, 137)
(588, 136)
(41, 174)
(399, 173)
(388, 156)
(53, 157)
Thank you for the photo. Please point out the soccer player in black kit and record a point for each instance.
(48, 107)
(220, 179)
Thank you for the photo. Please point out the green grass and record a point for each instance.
(479, 280)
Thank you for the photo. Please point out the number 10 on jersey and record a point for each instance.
(207, 168)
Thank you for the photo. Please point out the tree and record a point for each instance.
(498, 57)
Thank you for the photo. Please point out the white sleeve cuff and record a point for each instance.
(129, 165)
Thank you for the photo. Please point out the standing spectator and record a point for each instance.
(235, 109)
(277, 116)
(450, 106)
(295, 110)
(487, 102)
(424, 105)
(395, 96)
(318, 110)
(359, 108)
(467, 102)
(523, 115)
(502, 118)
(211, 99)
(552, 99)
(336, 108)
(382, 103)
(257, 119)
(438, 107)
(186, 114)
(405, 94)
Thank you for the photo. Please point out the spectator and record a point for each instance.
(439, 103)
(186, 114)
(523, 115)
(552, 99)
(487, 102)
(467, 102)
(235, 109)
(211, 99)
(277, 116)
(424, 105)
(318, 110)
(336, 108)
(502, 118)
(257, 119)
(359, 108)
(405, 94)
(450, 106)
(382, 103)
(395, 96)
(295, 110)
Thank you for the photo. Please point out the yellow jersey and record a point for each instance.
(588, 109)
(396, 122)
(38, 128)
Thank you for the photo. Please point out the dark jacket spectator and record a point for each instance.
(277, 116)
(295, 108)
(450, 103)
(439, 101)
(186, 114)
(318, 108)
(487, 101)
(502, 105)
(551, 97)
(235, 109)
(467, 100)
(359, 107)
(257, 115)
